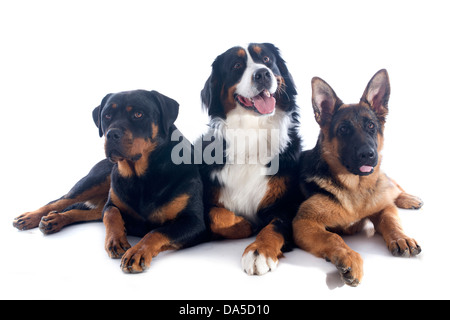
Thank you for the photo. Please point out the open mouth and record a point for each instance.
(366, 169)
(363, 170)
(263, 103)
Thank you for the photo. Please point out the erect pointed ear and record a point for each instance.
(377, 94)
(169, 110)
(97, 114)
(324, 101)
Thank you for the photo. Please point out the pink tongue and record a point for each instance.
(366, 169)
(264, 104)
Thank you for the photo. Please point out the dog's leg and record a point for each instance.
(311, 234)
(387, 223)
(138, 258)
(116, 243)
(30, 220)
(404, 199)
(182, 232)
(313, 237)
(92, 187)
(351, 229)
(55, 221)
(226, 224)
(262, 255)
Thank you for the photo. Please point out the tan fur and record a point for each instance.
(354, 198)
(276, 188)
(139, 257)
(229, 103)
(170, 210)
(226, 224)
(116, 243)
(268, 243)
(137, 146)
(96, 196)
(358, 198)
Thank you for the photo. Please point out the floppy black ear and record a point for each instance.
(169, 110)
(97, 114)
(324, 101)
(377, 94)
(211, 91)
(206, 93)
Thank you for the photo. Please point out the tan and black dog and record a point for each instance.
(151, 196)
(138, 190)
(342, 181)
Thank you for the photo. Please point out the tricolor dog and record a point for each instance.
(254, 147)
(138, 190)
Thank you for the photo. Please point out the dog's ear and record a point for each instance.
(288, 90)
(97, 114)
(211, 92)
(377, 94)
(324, 101)
(168, 108)
(206, 93)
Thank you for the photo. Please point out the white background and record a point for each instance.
(59, 58)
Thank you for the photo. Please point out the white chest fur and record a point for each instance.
(252, 143)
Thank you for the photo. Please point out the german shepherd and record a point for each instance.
(342, 182)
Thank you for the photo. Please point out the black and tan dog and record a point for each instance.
(149, 195)
(342, 181)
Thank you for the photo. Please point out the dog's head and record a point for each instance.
(134, 123)
(254, 78)
(352, 133)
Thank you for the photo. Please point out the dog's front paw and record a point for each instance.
(116, 246)
(136, 260)
(256, 263)
(350, 266)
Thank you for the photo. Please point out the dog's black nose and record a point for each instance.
(366, 153)
(262, 77)
(114, 134)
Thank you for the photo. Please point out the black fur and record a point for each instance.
(161, 181)
(227, 71)
(224, 75)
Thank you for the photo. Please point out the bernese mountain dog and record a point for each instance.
(250, 152)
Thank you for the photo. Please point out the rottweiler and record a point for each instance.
(150, 195)
(138, 190)
(342, 181)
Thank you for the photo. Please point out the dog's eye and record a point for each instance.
(343, 130)
(107, 116)
(138, 115)
(266, 59)
(237, 65)
(370, 125)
